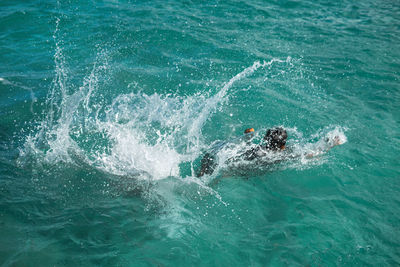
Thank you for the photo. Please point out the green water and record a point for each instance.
(108, 106)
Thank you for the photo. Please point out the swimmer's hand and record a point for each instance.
(335, 141)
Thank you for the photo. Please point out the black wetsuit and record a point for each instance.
(259, 152)
(209, 161)
(208, 164)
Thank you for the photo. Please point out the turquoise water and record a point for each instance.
(108, 106)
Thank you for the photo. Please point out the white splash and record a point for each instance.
(139, 135)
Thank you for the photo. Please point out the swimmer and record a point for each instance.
(275, 142)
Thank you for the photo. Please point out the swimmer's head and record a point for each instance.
(275, 138)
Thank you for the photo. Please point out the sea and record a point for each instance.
(107, 108)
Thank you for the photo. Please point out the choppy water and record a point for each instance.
(108, 106)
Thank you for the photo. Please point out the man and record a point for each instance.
(275, 139)
(274, 147)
